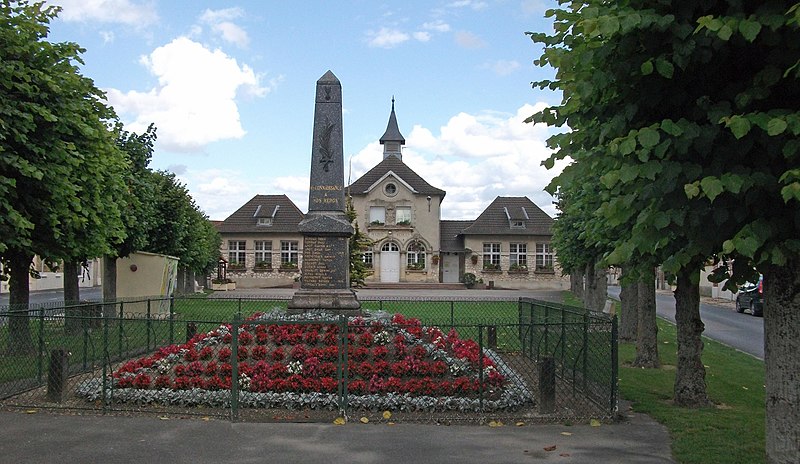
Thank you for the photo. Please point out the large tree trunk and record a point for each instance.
(72, 293)
(647, 330)
(599, 296)
(690, 377)
(589, 288)
(19, 330)
(576, 283)
(109, 286)
(782, 360)
(628, 301)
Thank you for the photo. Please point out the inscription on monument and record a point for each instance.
(322, 263)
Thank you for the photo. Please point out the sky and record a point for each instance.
(230, 86)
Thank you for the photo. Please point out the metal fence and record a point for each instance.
(247, 359)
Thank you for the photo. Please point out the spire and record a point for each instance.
(392, 139)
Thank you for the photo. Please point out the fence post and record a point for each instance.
(480, 367)
(239, 307)
(120, 331)
(343, 368)
(149, 325)
(452, 315)
(86, 346)
(547, 385)
(39, 360)
(547, 330)
(614, 363)
(57, 375)
(585, 348)
(235, 367)
(105, 362)
(172, 320)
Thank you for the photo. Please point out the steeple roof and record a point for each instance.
(392, 133)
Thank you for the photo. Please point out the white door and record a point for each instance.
(390, 262)
(450, 268)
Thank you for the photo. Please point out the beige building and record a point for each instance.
(508, 245)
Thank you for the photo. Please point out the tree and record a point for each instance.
(359, 242)
(691, 110)
(56, 149)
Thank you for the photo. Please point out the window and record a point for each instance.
(367, 258)
(544, 257)
(491, 256)
(390, 246)
(377, 215)
(236, 253)
(264, 254)
(403, 216)
(416, 256)
(517, 224)
(289, 252)
(264, 222)
(518, 257)
(390, 190)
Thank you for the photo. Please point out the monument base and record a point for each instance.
(337, 301)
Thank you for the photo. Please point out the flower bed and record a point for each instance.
(392, 363)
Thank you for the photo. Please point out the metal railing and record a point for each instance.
(442, 361)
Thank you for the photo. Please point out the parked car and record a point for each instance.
(751, 298)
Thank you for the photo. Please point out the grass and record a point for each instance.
(730, 432)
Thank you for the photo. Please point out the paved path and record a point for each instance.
(41, 438)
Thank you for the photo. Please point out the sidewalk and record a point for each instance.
(42, 437)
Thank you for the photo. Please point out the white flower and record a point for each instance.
(244, 382)
(295, 367)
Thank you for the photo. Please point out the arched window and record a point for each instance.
(390, 246)
(416, 255)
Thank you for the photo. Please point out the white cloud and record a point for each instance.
(108, 36)
(422, 36)
(194, 103)
(502, 67)
(437, 26)
(475, 5)
(469, 40)
(127, 12)
(386, 38)
(221, 22)
(232, 33)
(476, 158)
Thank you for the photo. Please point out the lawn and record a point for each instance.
(730, 432)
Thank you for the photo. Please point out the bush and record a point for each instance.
(469, 279)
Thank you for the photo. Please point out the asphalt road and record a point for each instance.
(723, 324)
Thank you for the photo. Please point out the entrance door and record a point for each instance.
(450, 268)
(390, 262)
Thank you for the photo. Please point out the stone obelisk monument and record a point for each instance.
(325, 275)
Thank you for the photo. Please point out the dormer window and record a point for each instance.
(517, 224)
(266, 222)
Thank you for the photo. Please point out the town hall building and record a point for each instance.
(508, 245)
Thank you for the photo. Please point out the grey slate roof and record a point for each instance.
(494, 220)
(392, 133)
(450, 237)
(394, 164)
(285, 216)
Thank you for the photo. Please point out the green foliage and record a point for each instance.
(61, 193)
(684, 120)
(359, 243)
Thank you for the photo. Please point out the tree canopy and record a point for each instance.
(685, 116)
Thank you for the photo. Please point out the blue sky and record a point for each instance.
(230, 87)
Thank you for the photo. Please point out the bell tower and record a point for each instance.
(392, 140)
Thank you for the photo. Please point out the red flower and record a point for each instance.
(211, 368)
(243, 353)
(299, 352)
(328, 384)
(366, 339)
(245, 338)
(206, 353)
(224, 354)
(163, 381)
(380, 352)
(277, 355)
(259, 352)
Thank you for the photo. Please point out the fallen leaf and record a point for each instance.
(390, 423)
(387, 415)
(564, 455)
(495, 424)
(339, 420)
(31, 411)
(364, 420)
(594, 423)
(745, 388)
(520, 424)
(566, 434)
(206, 418)
(163, 417)
(550, 448)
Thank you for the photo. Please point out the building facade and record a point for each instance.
(508, 245)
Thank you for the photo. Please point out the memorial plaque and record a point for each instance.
(325, 270)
